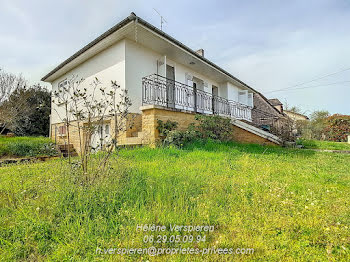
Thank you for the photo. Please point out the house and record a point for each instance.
(296, 116)
(268, 114)
(277, 104)
(291, 114)
(293, 117)
(165, 80)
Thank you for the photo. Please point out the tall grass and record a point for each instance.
(286, 204)
(317, 144)
(26, 146)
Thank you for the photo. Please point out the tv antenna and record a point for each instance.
(162, 20)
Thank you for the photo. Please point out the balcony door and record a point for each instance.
(170, 86)
(215, 93)
(198, 86)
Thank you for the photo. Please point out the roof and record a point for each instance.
(275, 102)
(269, 103)
(134, 17)
(295, 113)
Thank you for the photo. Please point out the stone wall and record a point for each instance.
(133, 124)
(151, 114)
(244, 136)
(147, 123)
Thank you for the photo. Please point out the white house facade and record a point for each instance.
(156, 70)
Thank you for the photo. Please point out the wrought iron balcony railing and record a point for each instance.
(158, 90)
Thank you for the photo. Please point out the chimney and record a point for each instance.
(200, 52)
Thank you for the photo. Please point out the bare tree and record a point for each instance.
(86, 109)
(10, 83)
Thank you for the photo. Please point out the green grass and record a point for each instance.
(287, 204)
(26, 146)
(316, 144)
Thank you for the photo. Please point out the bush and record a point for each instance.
(27, 111)
(165, 127)
(181, 138)
(214, 127)
(337, 128)
(314, 129)
(208, 128)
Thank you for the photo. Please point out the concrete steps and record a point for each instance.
(63, 149)
(133, 141)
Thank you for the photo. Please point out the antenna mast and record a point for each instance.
(162, 20)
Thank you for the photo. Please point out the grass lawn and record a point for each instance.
(287, 204)
(26, 146)
(316, 144)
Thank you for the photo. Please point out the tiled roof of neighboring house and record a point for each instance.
(268, 101)
(275, 102)
(134, 17)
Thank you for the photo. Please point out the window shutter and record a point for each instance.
(250, 99)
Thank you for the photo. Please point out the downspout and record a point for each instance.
(50, 135)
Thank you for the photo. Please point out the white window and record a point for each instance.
(250, 99)
(243, 97)
(62, 130)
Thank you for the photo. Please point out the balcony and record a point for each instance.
(161, 91)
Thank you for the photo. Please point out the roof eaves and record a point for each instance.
(130, 18)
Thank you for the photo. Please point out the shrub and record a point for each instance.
(27, 111)
(337, 128)
(208, 128)
(214, 127)
(314, 129)
(180, 138)
(165, 127)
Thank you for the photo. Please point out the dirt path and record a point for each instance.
(330, 151)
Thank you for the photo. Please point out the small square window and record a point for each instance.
(62, 130)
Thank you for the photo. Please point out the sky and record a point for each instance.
(270, 45)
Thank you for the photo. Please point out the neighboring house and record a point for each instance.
(266, 115)
(293, 117)
(298, 121)
(296, 116)
(165, 80)
(291, 114)
(277, 104)
(264, 109)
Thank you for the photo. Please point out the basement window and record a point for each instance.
(62, 130)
